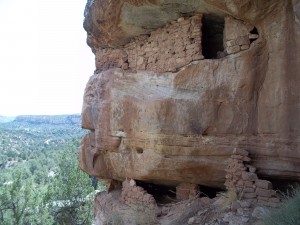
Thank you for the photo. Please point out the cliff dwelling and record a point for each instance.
(179, 43)
(188, 100)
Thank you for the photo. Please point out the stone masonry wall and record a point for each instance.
(243, 180)
(164, 50)
(173, 46)
(237, 35)
(185, 191)
(136, 196)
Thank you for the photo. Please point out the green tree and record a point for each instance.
(68, 193)
(19, 204)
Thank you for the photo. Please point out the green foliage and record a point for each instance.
(69, 191)
(288, 213)
(19, 204)
(32, 150)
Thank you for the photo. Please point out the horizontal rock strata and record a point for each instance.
(169, 123)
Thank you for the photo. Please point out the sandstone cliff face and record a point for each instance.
(177, 122)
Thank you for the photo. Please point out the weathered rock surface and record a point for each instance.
(111, 209)
(179, 127)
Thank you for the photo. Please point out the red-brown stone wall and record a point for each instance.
(164, 50)
(136, 196)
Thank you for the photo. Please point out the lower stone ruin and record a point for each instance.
(242, 179)
(129, 202)
(137, 197)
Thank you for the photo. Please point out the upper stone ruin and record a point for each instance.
(179, 43)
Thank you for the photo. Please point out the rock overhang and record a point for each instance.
(243, 98)
(115, 24)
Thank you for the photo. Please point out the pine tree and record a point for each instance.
(67, 195)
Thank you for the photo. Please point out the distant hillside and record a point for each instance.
(5, 119)
(26, 135)
(46, 119)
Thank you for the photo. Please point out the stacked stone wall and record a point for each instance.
(186, 191)
(237, 35)
(135, 196)
(164, 50)
(242, 179)
(107, 58)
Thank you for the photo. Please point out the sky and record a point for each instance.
(45, 62)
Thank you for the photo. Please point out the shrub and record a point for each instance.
(288, 213)
(229, 197)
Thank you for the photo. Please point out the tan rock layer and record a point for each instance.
(180, 127)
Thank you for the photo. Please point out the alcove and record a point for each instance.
(210, 192)
(162, 194)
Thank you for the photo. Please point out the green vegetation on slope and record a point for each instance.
(288, 213)
(41, 182)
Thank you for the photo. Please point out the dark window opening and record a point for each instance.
(282, 186)
(210, 192)
(212, 36)
(192, 40)
(161, 193)
(253, 31)
(139, 150)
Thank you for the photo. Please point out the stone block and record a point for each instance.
(245, 47)
(246, 159)
(198, 57)
(140, 61)
(253, 36)
(228, 176)
(249, 176)
(236, 156)
(180, 19)
(243, 40)
(239, 151)
(125, 66)
(248, 190)
(180, 62)
(230, 43)
(249, 195)
(186, 190)
(248, 183)
(235, 206)
(252, 169)
(240, 183)
(263, 198)
(233, 49)
(265, 193)
(274, 199)
(265, 184)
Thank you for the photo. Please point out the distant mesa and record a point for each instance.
(6, 119)
(44, 119)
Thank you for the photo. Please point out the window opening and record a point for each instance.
(212, 36)
(253, 31)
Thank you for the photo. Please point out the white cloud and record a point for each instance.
(44, 60)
